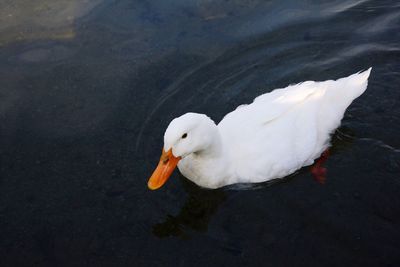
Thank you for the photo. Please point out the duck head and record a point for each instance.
(185, 135)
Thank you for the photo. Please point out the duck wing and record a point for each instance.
(289, 127)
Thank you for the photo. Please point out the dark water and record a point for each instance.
(88, 88)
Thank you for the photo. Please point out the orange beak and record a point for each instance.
(164, 170)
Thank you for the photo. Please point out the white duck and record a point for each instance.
(272, 137)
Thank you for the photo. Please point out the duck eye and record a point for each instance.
(184, 135)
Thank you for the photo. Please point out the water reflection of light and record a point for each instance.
(45, 19)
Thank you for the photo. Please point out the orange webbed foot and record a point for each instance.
(318, 171)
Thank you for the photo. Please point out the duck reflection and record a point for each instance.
(201, 204)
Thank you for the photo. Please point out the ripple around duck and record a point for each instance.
(380, 143)
(242, 72)
(381, 24)
(233, 68)
(168, 92)
(357, 51)
(345, 6)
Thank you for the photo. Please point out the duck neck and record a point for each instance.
(214, 148)
(213, 166)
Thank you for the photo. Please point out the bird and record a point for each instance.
(277, 134)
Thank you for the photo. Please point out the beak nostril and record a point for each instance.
(165, 161)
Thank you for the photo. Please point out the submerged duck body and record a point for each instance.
(274, 136)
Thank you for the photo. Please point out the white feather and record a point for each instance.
(272, 137)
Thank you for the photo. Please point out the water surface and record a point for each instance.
(88, 88)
